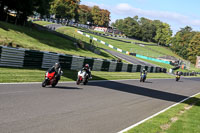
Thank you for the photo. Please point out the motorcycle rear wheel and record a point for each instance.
(55, 83)
(85, 82)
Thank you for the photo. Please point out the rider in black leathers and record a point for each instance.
(57, 69)
(88, 71)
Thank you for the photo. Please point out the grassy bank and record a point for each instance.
(183, 118)
(43, 23)
(37, 75)
(31, 38)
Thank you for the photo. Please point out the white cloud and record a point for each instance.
(91, 4)
(127, 10)
(176, 20)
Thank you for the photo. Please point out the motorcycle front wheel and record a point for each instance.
(44, 83)
(140, 79)
(78, 81)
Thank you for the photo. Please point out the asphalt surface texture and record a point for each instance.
(129, 58)
(99, 107)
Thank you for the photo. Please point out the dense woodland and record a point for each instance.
(185, 42)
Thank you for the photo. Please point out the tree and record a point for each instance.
(23, 8)
(105, 18)
(84, 14)
(194, 48)
(163, 34)
(181, 40)
(96, 15)
(65, 9)
(148, 29)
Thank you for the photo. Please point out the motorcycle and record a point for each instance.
(177, 77)
(50, 78)
(82, 77)
(142, 77)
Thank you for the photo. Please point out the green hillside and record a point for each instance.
(31, 38)
(147, 50)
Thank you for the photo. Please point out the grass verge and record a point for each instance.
(37, 75)
(183, 118)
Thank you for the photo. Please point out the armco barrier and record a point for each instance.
(33, 59)
(129, 67)
(49, 59)
(12, 57)
(0, 51)
(124, 67)
(97, 65)
(77, 63)
(134, 68)
(138, 69)
(112, 67)
(18, 57)
(119, 67)
(65, 61)
(105, 66)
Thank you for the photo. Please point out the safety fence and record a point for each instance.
(122, 51)
(25, 58)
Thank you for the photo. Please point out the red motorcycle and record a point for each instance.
(50, 78)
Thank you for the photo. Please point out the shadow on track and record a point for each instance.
(67, 88)
(147, 82)
(133, 89)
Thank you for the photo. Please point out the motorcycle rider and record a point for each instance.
(143, 72)
(88, 71)
(57, 69)
(178, 73)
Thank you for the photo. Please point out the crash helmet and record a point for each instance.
(57, 65)
(87, 65)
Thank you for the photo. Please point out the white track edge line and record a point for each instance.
(65, 82)
(140, 122)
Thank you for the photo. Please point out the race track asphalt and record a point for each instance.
(128, 58)
(99, 107)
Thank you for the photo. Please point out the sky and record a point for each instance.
(177, 13)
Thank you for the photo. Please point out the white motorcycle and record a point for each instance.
(82, 77)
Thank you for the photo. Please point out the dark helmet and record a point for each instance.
(57, 65)
(87, 65)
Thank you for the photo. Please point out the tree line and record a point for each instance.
(145, 29)
(22, 9)
(186, 43)
(62, 9)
